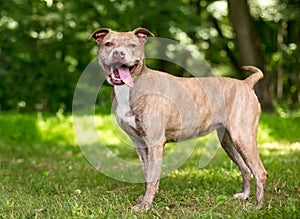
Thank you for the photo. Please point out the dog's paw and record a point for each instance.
(140, 198)
(143, 206)
(242, 196)
(259, 206)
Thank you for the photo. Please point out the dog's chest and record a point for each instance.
(122, 107)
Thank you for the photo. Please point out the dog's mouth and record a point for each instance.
(120, 74)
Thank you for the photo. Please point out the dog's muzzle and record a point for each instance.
(120, 73)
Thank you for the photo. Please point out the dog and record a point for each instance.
(155, 108)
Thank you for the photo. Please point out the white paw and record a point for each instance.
(143, 206)
(242, 196)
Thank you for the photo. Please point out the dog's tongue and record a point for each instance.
(125, 76)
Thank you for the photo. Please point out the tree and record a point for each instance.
(249, 46)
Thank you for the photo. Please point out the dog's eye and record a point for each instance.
(132, 45)
(108, 44)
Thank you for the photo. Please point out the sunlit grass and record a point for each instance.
(59, 128)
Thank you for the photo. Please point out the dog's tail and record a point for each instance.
(255, 77)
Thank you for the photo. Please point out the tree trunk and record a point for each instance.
(249, 47)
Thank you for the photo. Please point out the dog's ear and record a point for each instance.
(142, 34)
(99, 34)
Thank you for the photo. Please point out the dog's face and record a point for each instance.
(121, 54)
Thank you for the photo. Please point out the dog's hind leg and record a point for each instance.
(244, 140)
(231, 151)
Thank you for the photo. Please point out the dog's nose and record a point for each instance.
(118, 53)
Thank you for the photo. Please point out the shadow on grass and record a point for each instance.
(201, 189)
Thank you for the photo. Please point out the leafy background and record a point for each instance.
(44, 46)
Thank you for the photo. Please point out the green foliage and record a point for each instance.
(44, 47)
(44, 175)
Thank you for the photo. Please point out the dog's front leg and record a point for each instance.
(151, 160)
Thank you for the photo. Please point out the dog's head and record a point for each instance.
(121, 54)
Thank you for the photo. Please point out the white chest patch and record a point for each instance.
(123, 111)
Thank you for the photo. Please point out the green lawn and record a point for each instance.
(43, 174)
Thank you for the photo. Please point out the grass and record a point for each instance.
(43, 174)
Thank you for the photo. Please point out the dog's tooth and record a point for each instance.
(114, 77)
(111, 70)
